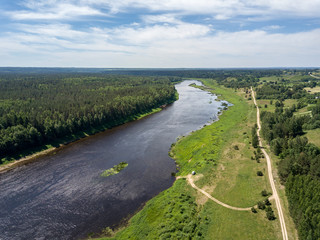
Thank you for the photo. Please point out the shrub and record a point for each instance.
(261, 205)
(259, 173)
(264, 193)
(253, 210)
(270, 213)
(267, 202)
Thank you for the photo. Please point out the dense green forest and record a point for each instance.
(299, 166)
(39, 108)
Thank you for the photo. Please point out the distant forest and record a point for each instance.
(36, 109)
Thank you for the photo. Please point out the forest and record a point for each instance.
(37, 108)
(299, 166)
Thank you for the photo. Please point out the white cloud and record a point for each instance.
(163, 18)
(160, 45)
(220, 9)
(54, 12)
(162, 38)
(152, 34)
(272, 27)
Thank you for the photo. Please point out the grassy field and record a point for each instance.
(221, 154)
(313, 136)
(291, 77)
(271, 107)
(312, 90)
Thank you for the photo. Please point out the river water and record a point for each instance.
(63, 196)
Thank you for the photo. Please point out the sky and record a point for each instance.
(160, 33)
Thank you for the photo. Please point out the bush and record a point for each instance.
(261, 205)
(270, 213)
(253, 210)
(264, 193)
(267, 202)
(259, 173)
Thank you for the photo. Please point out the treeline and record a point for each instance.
(39, 108)
(299, 167)
(283, 91)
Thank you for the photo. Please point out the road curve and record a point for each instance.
(314, 76)
(190, 180)
(274, 190)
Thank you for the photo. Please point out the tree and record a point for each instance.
(261, 205)
(267, 202)
(255, 140)
(270, 213)
(264, 193)
(259, 173)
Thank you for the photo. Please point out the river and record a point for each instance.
(63, 196)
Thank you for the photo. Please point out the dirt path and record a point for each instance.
(190, 180)
(314, 76)
(274, 190)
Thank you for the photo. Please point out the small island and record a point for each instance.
(114, 170)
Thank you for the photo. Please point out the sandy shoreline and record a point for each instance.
(26, 160)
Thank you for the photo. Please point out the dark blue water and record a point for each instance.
(63, 196)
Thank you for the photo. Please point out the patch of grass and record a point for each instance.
(114, 170)
(173, 214)
(229, 224)
(313, 136)
(270, 79)
(271, 108)
(313, 90)
(155, 110)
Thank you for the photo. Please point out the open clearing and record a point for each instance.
(313, 90)
(313, 136)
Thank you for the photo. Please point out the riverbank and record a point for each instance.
(50, 148)
(220, 154)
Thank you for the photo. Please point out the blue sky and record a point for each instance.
(166, 33)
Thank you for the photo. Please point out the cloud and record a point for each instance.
(41, 11)
(158, 45)
(152, 34)
(272, 27)
(163, 18)
(219, 9)
(168, 33)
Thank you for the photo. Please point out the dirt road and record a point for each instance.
(189, 178)
(274, 190)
